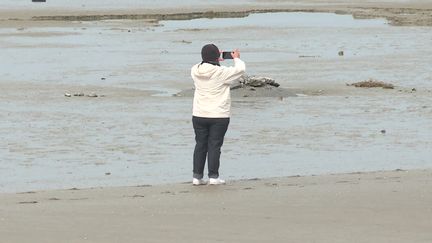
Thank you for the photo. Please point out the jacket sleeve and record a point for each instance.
(230, 74)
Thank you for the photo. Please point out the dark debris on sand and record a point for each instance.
(371, 83)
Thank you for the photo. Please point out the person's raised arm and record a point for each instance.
(230, 74)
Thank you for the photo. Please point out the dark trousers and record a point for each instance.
(209, 137)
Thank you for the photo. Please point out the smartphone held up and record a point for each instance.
(226, 55)
(229, 54)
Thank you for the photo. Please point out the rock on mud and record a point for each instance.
(254, 81)
(93, 95)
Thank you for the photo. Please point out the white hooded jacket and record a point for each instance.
(212, 98)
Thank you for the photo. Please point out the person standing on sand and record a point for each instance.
(211, 110)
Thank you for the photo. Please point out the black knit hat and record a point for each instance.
(210, 53)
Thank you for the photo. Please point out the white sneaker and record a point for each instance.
(198, 182)
(216, 181)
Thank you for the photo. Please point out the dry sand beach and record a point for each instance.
(359, 207)
(113, 168)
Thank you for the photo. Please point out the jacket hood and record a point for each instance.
(204, 70)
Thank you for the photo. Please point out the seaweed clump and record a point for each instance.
(371, 83)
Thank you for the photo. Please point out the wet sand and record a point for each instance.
(393, 206)
(118, 139)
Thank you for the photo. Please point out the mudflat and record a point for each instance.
(412, 12)
(136, 132)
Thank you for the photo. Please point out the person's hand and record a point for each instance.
(235, 53)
